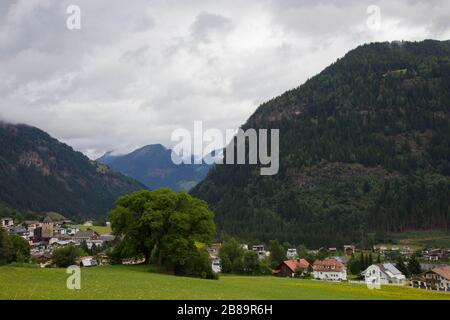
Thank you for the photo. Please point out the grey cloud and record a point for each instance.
(138, 70)
(208, 23)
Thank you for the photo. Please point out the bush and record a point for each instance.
(197, 265)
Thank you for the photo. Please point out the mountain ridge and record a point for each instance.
(41, 174)
(380, 117)
(152, 165)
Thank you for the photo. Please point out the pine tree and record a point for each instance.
(402, 267)
(370, 260)
(414, 267)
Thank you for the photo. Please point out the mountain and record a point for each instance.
(152, 165)
(364, 151)
(40, 174)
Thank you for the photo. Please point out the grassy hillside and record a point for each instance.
(99, 229)
(128, 282)
(419, 239)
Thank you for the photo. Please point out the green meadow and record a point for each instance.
(99, 229)
(138, 282)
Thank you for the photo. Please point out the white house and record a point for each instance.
(383, 273)
(88, 261)
(215, 265)
(435, 279)
(259, 249)
(291, 254)
(7, 222)
(329, 269)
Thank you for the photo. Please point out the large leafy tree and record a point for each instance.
(163, 225)
(6, 248)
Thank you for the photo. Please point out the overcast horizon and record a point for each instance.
(135, 72)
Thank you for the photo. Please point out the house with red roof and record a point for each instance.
(435, 279)
(329, 269)
(291, 268)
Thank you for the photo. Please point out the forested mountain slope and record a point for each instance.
(364, 150)
(40, 174)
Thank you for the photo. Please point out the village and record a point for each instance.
(45, 236)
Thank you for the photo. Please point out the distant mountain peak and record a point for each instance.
(153, 166)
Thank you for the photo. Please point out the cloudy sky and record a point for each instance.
(137, 70)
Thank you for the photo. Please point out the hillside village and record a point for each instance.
(45, 236)
(325, 264)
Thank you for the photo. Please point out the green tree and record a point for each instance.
(251, 263)
(231, 255)
(401, 266)
(6, 248)
(277, 253)
(322, 254)
(414, 267)
(20, 249)
(162, 224)
(354, 265)
(302, 251)
(66, 256)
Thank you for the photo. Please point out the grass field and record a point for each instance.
(99, 229)
(419, 239)
(137, 282)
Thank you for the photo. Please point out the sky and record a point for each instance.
(132, 72)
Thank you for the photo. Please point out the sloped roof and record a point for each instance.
(297, 263)
(389, 267)
(443, 272)
(331, 265)
(85, 234)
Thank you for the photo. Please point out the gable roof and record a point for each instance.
(389, 268)
(444, 272)
(85, 234)
(328, 265)
(294, 264)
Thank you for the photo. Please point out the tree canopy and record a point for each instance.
(164, 226)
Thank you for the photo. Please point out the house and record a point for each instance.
(214, 249)
(383, 273)
(332, 251)
(31, 227)
(291, 254)
(215, 265)
(19, 231)
(71, 230)
(87, 261)
(433, 254)
(44, 260)
(6, 222)
(291, 268)
(349, 250)
(259, 249)
(435, 279)
(86, 235)
(329, 269)
(88, 223)
(103, 259)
